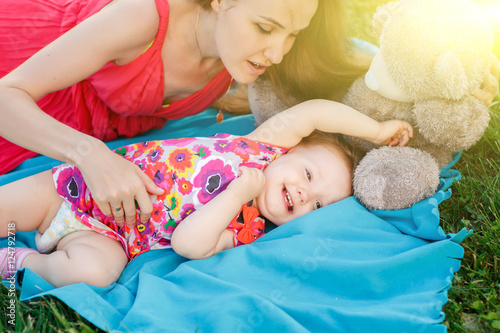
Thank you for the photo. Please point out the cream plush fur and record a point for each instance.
(437, 53)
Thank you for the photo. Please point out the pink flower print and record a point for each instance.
(182, 142)
(185, 186)
(212, 179)
(201, 151)
(182, 161)
(159, 214)
(169, 226)
(140, 161)
(70, 185)
(266, 148)
(244, 148)
(155, 154)
(222, 146)
(187, 210)
(160, 174)
(145, 145)
(140, 149)
(253, 165)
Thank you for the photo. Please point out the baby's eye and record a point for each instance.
(308, 175)
(318, 205)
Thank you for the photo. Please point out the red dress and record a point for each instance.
(117, 100)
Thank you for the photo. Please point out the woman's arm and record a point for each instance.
(118, 31)
(203, 233)
(287, 128)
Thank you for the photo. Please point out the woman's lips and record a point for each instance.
(256, 68)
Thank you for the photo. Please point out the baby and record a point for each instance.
(222, 188)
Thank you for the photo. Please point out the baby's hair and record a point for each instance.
(337, 144)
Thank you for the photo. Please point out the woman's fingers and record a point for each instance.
(129, 212)
(117, 212)
(119, 187)
(143, 198)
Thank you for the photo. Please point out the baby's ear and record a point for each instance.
(382, 15)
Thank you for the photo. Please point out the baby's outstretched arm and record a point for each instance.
(203, 233)
(290, 126)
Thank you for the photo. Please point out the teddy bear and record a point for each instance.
(433, 59)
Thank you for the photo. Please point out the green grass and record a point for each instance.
(473, 304)
(44, 315)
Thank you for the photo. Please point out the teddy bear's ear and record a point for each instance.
(449, 78)
(382, 15)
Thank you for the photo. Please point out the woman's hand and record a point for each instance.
(117, 184)
(394, 132)
(248, 185)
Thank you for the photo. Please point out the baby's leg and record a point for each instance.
(28, 204)
(83, 256)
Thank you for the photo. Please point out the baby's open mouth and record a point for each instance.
(288, 199)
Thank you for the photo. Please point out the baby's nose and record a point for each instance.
(303, 195)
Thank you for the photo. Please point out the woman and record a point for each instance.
(121, 67)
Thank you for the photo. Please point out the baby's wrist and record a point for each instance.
(237, 193)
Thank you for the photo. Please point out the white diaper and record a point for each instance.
(63, 224)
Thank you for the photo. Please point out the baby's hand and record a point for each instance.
(248, 185)
(394, 132)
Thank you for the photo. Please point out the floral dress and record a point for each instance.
(192, 171)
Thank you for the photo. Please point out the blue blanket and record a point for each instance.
(341, 268)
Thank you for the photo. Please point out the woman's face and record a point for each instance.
(251, 35)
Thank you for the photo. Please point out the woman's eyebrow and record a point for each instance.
(273, 21)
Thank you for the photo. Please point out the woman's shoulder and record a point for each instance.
(140, 13)
(135, 24)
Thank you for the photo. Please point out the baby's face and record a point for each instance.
(304, 179)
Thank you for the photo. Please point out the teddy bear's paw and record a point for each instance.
(454, 125)
(391, 178)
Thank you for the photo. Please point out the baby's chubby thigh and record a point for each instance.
(29, 203)
(92, 258)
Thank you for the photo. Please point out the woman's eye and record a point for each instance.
(308, 175)
(262, 30)
(318, 205)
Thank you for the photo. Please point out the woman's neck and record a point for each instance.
(204, 34)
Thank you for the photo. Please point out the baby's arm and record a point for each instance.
(203, 233)
(290, 126)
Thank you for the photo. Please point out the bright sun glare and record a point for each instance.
(491, 9)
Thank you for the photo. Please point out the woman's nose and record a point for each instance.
(277, 50)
